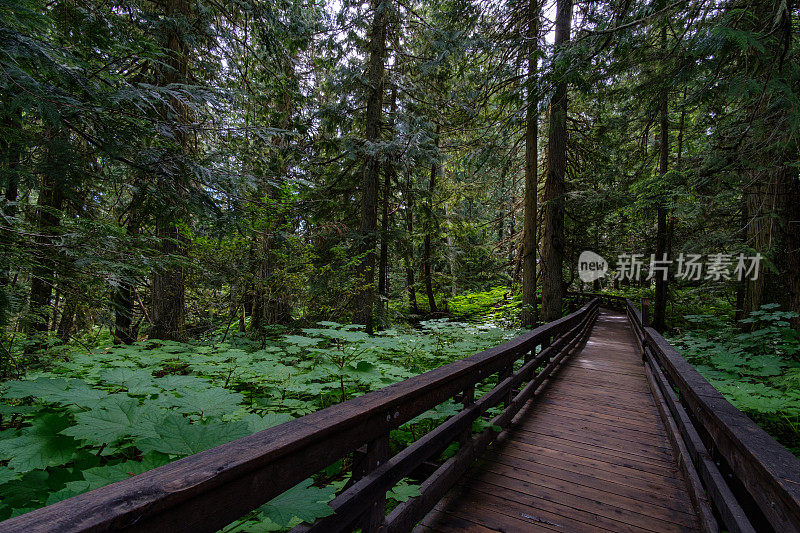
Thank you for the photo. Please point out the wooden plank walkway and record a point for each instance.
(591, 454)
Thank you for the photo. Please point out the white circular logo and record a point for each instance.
(591, 266)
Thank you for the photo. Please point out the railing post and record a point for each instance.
(645, 312)
(547, 340)
(467, 399)
(376, 453)
(503, 375)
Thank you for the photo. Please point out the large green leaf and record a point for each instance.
(176, 435)
(729, 361)
(175, 382)
(101, 476)
(766, 365)
(115, 418)
(55, 390)
(6, 475)
(259, 423)
(303, 501)
(39, 446)
(301, 340)
(28, 491)
(139, 382)
(403, 491)
(212, 401)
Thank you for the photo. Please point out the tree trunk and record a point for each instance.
(65, 325)
(413, 308)
(791, 232)
(11, 154)
(529, 237)
(277, 303)
(169, 306)
(660, 304)
(451, 253)
(122, 297)
(427, 271)
(122, 301)
(741, 285)
(501, 223)
(388, 177)
(554, 190)
(512, 229)
(55, 304)
(761, 206)
(383, 263)
(47, 222)
(371, 171)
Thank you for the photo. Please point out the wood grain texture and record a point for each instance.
(591, 454)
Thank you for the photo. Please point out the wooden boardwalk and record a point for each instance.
(590, 455)
(582, 447)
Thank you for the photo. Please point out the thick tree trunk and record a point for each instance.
(388, 177)
(169, 306)
(660, 304)
(123, 295)
(554, 190)
(277, 302)
(761, 236)
(529, 238)
(741, 285)
(791, 232)
(371, 172)
(55, 302)
(427, 270)
(259, 273)
(383, 263)
(501, 222)
(512, 230)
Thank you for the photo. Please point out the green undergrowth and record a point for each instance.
(95, 417)
(496, 304)
(753, 364)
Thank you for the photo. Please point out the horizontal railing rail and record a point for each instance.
(609, 301)
(211, 489)
(751, 481)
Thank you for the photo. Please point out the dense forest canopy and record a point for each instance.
(167, 166)
(208, 172)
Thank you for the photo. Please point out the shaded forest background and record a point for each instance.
(175, 168)
(218, 216)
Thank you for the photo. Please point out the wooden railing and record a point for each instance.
(742, 479)
(609, 301)
(209, 490)
(752, 482)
